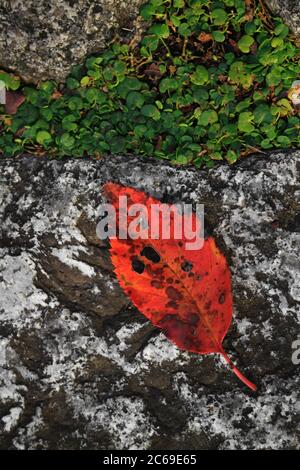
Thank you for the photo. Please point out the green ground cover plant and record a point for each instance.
(208, 81)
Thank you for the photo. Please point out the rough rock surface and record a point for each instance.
(43, 40)
(81, 368)
(289, 10)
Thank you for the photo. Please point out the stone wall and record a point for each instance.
(43, 40)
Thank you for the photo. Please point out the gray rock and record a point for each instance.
(81, 368)
(43, 40)
(289, 10)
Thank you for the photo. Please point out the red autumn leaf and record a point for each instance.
(12, 101)
(185, 292)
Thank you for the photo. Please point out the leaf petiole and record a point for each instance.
(236, 371)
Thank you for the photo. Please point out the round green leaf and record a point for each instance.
(11, 83)
(208, 117)
(184, 29)
(72, 83)
(178, 3)
(281, 30)
(92, 94)
(273, 78)
(149, 110)
(75, 103)
(245, 122)
(135, 99)
(266, 144)
(218, 36)
(284, 141)
(67, 140)
(147, 11)
(250, 28)
(219, 16)
(262, 114)
(119, 67)
(43, 137)
(277, 42)
(93, 62)
(85, 81)
(160, 30)
(200, 76)
(245, 43)
(231, 156)
(68, 123)
(168, 84)
(127, 85)
(46, 113)
(200, 95)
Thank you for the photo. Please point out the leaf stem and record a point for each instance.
(234, 369)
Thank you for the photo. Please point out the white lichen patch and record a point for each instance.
(68, 255)
(125, 419)
(20, 300)
(11, 420)
(159, 350)
(26, 437)
(253, 422)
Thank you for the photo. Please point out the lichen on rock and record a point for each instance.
(44, 40)
(81, 368)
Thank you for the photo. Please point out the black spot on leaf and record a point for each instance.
(193, 319)
(138, 266)
(150, 254)
(173, 293)
(187, 266)
(172, 304)
(156, 284)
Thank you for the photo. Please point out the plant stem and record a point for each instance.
(234, 369)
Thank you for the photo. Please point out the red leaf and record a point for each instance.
(13, 101)
(186, 293)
